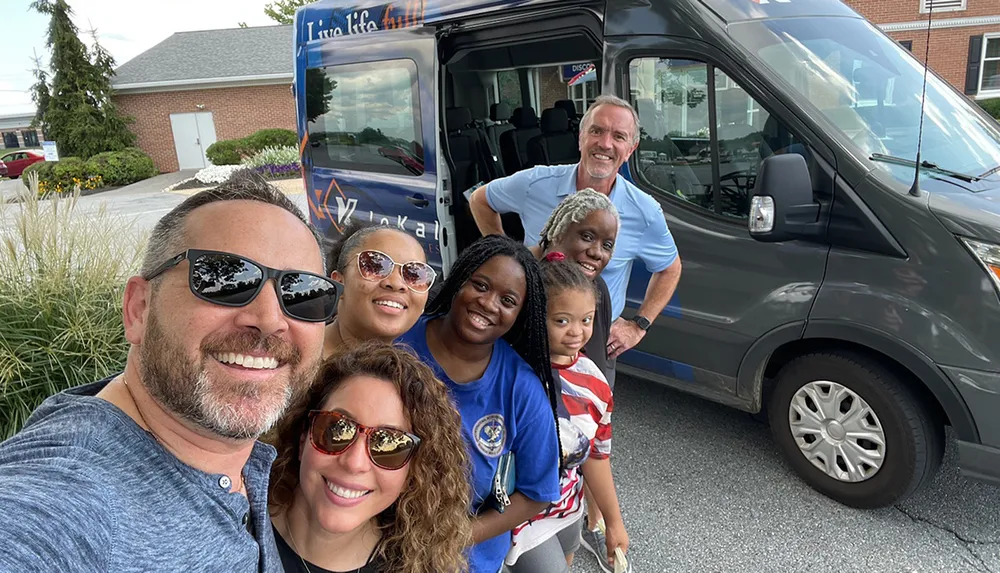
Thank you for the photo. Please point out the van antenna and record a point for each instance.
(915, 188)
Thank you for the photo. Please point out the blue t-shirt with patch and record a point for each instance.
(643, 234)
(505, 410)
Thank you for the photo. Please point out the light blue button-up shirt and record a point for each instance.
(534, 194)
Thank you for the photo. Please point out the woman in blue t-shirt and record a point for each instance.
(484, 335)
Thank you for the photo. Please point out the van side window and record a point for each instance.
(365, 117)
(675, 149)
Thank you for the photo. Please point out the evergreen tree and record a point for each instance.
(79, 114)
(40, 95)
(283, 11)
(116, 134)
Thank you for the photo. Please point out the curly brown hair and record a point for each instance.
(427, 529)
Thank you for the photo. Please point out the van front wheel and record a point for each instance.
(853, 430)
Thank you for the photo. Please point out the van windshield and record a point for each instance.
(869, 88)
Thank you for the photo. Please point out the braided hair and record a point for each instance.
(529, 335)
(560, 275)
(573, 209)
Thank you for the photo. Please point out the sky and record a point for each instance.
(126, 29)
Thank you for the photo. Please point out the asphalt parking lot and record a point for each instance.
(704, 490)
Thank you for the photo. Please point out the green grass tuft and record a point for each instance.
(62, 273)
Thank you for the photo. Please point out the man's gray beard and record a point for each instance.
(185, 389)
(594, 175)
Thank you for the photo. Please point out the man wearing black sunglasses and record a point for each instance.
(159, 468)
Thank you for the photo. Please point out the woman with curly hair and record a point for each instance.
(372, 473)
(484, 335)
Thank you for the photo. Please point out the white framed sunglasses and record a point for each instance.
(375, 266)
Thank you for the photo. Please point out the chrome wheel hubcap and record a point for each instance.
(837, 431)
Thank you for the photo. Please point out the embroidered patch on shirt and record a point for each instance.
(490, 435)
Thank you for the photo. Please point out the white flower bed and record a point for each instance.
(217, 173)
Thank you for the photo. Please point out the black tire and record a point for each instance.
(914, 434)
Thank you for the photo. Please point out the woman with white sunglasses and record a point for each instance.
(386, 280)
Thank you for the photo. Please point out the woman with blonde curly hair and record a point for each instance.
(371, 474)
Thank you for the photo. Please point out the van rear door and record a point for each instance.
(369, 112)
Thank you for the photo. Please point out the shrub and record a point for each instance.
(42, 168)
(275, 162)
(225, 152)
(61, 278)
(270, 138)
(992, 107)
(121, 167)
(233, 151)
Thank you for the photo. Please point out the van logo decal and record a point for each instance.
(345, 209)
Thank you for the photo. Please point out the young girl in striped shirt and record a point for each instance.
(548, 542)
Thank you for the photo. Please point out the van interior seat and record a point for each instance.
(556, 145)
(482, 153)
(462, 147)
(514, 143)
(570, 107)
(500, 116)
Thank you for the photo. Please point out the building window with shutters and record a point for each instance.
(942, 5)
(990, 75)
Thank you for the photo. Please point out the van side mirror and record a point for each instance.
(781, 204)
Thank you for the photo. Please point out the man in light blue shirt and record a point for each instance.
(609, 134)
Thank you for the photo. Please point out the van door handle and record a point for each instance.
(418, 200)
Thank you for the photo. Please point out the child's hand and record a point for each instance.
(615, 536)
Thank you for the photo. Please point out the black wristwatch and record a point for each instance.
(642, 321)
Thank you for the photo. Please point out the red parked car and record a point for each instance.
(17, 161)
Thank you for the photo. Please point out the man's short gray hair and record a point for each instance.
(167, 237)
(617, 102)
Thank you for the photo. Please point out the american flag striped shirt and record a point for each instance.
(585, 431)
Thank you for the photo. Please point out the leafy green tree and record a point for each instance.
(79, 113)
(283, 11)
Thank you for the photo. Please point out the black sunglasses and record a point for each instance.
(231, 280)
(332, 433)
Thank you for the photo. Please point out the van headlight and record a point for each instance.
(988, 256)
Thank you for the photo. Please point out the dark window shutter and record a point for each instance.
(975, 61)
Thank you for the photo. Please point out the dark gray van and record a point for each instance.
(827, 279)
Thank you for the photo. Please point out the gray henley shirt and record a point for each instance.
(84, 488)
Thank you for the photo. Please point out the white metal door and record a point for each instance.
(193, 133)
(206, 132)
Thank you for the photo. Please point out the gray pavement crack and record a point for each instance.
(976, 561)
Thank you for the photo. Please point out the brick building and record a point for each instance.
(964, 38)
(195, 88)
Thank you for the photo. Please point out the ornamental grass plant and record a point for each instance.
(63, 266)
